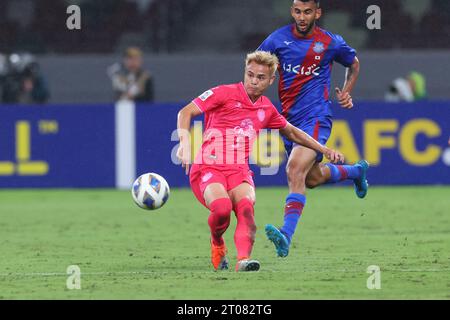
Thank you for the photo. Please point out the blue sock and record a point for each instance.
(292, 213)
(344, 172)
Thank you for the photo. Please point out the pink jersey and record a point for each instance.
(232, 124)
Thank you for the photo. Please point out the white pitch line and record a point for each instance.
(126, 273)
(60, 274)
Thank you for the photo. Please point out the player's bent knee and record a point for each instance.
(312, 183)
(221, 207)
(219, 219)
(295, 171)
(244, 205)
(249, 200)
(296, 178)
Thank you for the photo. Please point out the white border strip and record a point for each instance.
(125, 112)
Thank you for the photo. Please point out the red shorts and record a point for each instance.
(202, 176)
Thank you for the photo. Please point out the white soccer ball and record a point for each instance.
(150, 191)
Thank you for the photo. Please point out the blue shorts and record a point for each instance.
(319, 128)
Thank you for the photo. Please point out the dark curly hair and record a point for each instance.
(316, 1)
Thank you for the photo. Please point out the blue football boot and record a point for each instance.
(361, 184)
(279, 240)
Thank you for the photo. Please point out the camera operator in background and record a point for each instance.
(129, 80)
(22, 81)
(411, 88)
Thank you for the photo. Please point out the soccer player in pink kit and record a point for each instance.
(220, 176)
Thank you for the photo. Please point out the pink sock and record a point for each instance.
(219, 219)
(244, 237)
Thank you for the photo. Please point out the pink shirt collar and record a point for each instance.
(245, 94)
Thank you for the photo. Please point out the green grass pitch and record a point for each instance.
(124, 252)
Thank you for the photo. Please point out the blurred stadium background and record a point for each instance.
(72, 133)
(203, 40)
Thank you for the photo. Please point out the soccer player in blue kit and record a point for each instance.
(306, 53)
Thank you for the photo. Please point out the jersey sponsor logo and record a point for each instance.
(319, 47)
(206, 95)
(302, 70)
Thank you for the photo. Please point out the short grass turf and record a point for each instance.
(124, 252)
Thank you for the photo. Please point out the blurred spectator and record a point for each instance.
(22, 81)
(418, 85)
(409, 89)
(129, 80)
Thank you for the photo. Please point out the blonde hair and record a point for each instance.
(264, 58)
(132, 52)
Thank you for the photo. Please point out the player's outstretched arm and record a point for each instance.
(351, 75)
(300, 137)
(183, 125)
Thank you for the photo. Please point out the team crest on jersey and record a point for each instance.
(261, 115)
(206, 95)
(319, 47)
(246, 129)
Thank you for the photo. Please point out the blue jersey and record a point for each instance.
(305, 70)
